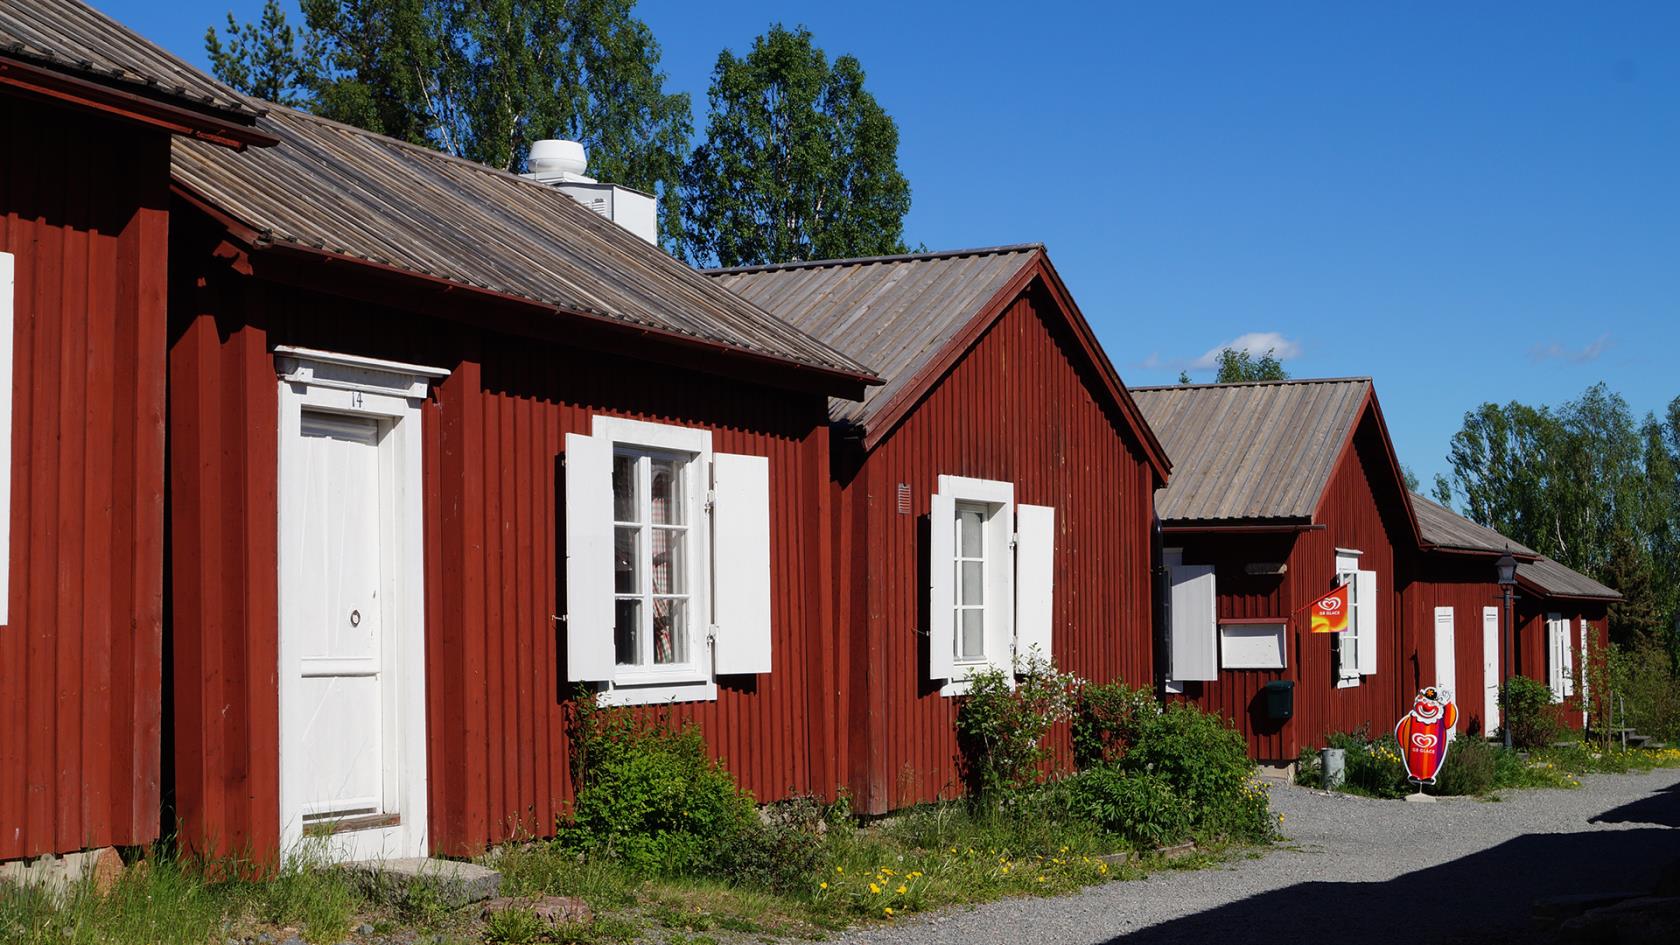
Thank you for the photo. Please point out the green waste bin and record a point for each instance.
(1280, 699)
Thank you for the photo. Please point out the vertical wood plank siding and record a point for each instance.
(1014, 408)
(1452, 581)
(494, 433)
(1360, 510)
(80, 660)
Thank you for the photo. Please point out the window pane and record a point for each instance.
(969, 532)
(627, 563)
(973, 583)
(670, 631)
(627, 632)
(668, 506)
(670, 561)
(624, 489)
(972, 637)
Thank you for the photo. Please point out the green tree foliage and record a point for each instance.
(799, 161)
(480, 79)
(1587, 484)
(268, 58)
(1238, 366)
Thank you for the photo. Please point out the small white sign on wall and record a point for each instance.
(1253, 645)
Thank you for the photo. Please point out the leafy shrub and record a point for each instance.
(1206, 763)
(783, 849)
(1469, 770)
(1648, 690)
(1142, 808)
(1001, 727)
(1371, 768)
(1106, 719)
(1526, 706)
(650, 797)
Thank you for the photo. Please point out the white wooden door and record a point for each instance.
(340, 709)
(1490, 669)
(1446, 654)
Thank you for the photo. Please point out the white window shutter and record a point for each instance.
(941, 578)
(1554, 656)
(1365, 613)
(1568, 644)
(741, 563)
(589, 558)
(7, 285)
(1035, 575)
(1195, 632)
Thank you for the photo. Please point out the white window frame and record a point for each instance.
(391, 393)
(1240, 645)
(692, 680)
(1349, 640)
(8, 287)
(999, 500)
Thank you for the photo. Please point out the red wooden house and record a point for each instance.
(1456, 607)
(89, 110)
(1282, 491)
(444, 446)
(992, 497)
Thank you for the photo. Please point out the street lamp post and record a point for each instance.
(1507, 566)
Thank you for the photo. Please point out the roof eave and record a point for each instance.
(218, 127)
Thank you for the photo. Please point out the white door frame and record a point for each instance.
(390, 393)
(1446, 655)
(1490, 670)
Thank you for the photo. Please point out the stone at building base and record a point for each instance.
(454, 883)
(554, 911)
(103, 867)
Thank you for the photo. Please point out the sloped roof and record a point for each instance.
(348, 192)
(71, 37)
(893, 313)
(1444, 528)
(1555, 580)
(1251, 451)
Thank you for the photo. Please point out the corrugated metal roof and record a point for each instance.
(74, 38)
(1445, 528)
(353, 193)
(893, 313)
(1556, 580)
(1261, 450)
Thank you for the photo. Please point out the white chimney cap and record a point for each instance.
(553, 157)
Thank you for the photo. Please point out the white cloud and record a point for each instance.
(1256, 343)
(1557, 352)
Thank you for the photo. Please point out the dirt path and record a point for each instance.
(1366, 872)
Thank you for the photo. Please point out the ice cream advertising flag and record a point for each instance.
(1425, 732)
(1330, 612)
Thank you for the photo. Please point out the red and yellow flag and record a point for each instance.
(1330, 612)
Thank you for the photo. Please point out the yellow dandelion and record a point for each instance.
(839, 869)
(1102, 867)
(822, 885)
(887, 910)
(902, 889)
(874, 889)
(1041, 879)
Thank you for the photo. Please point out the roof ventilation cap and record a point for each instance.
(557, 159)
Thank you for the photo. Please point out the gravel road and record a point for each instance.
(1362, 871)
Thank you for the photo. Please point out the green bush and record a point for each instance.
(1643, 678)
(1001, 725)
(1470, 768)
(1142, 808)
(1206, 762)
(1106, 720)
(783, 849)
(1527, 707)
(1371, 768)
(650, 797)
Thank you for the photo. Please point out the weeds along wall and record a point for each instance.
(493, 438)
(1020, 405)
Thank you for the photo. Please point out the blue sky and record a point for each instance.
(1467, 202)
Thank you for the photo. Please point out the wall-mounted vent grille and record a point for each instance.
(904, 498)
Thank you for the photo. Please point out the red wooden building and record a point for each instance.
(89, 110)
(992, 497)
(445, 445)
(1281, 491)
(1559, 615)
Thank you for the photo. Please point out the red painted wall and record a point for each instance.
(1361, 509)
(494, 433)
(80, 659)
(1018, 407)
(1532, 612)
(1466, 584)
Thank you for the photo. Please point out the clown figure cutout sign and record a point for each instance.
(1424, 732)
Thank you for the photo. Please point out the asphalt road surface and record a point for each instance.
(1360, 871)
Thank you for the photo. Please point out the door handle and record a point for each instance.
(355, 618)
